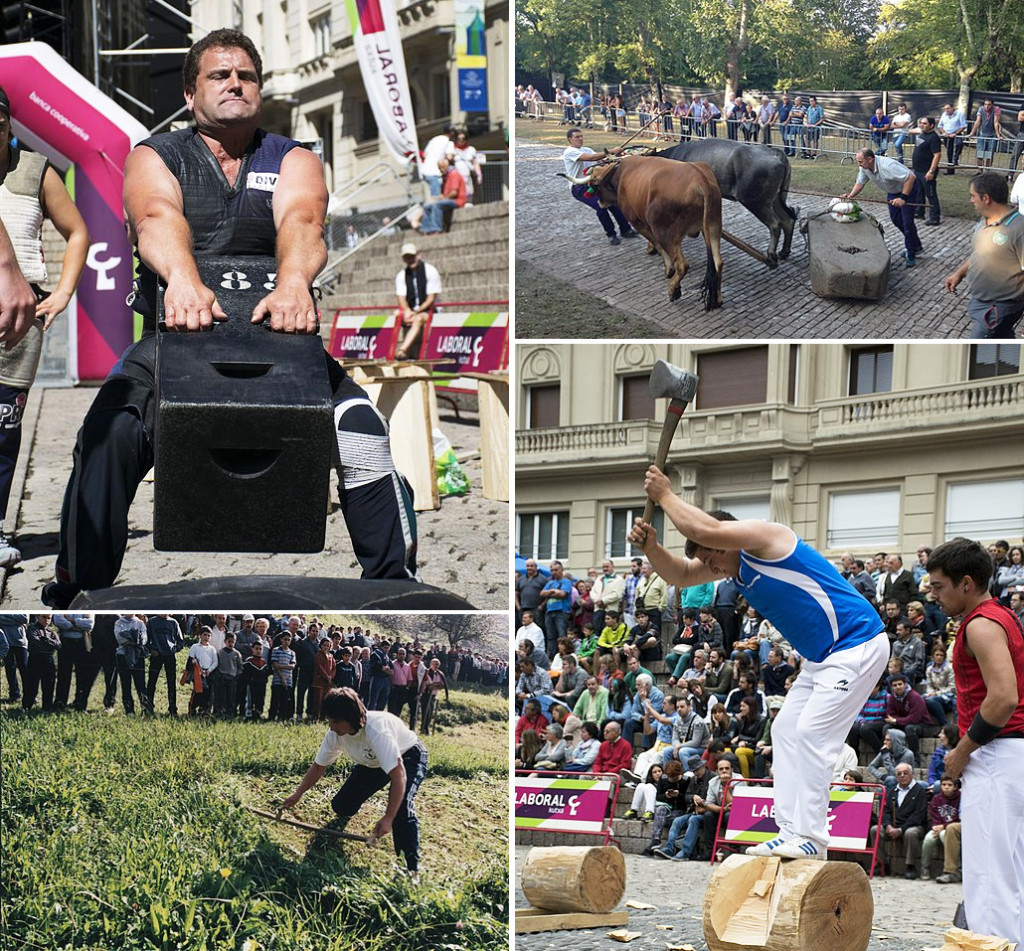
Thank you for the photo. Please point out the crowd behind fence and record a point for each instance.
(830, 139)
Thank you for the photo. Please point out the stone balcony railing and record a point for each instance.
(982, 403)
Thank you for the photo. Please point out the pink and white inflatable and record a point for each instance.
(56, 111)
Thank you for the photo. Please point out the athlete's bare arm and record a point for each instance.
(300, 207)
(156, 221)
(987, 644)
(17, 299)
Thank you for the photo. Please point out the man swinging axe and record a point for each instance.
(835, 629)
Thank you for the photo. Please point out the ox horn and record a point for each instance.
(585, 180)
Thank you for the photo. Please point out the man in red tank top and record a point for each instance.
(988, 665)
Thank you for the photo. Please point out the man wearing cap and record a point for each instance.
(221, 187)
(417, 287)
(684, 833)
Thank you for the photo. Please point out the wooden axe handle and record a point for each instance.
(668, 431)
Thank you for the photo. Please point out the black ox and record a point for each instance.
(757, 176)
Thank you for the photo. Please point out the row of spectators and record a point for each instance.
(232, 660)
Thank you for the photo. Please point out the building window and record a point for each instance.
(619, 522)
(734, 377)
(792, 392)
(543, 536)
(870, 518)
(367, 123)
(320, 27)
(870, 370)
(542, 406)
(985, 509)
(993, 359)
(635, 400)
(758, 506)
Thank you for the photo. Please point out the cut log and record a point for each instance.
(533, 920)
(803, 906)
(574, 878)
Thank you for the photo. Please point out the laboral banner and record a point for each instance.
(467, 342)
(382, 64)
(471, 55)
(752, 818)
(361, 336)
(560, 804)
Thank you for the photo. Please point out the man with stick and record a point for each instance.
(834, 629)
(577, 159)
(903, 193)
(988, 664)
(386, 753)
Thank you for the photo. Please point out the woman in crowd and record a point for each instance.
(645, 796)
(582, 757)
(747, 730)
(433, 681)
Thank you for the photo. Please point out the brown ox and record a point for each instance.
(666, 201)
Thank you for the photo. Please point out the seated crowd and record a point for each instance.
(233, 663)
(676, 692)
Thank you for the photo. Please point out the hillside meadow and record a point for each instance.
(124, 833)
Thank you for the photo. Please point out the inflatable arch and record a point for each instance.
(57, 112)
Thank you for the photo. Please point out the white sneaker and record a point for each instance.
(800, 847)
(766, 849)
(10, 555)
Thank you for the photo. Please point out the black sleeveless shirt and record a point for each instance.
(224, 219)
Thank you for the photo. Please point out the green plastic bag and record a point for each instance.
(451, 477)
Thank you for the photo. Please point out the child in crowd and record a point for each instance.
(202, 661)
(282, 689)
(229, 666)
(252, 682)
(944, 822)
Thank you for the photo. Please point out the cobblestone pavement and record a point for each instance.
(562, 237)
(909, 915)
(463, 546)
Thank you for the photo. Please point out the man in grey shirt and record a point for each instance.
(995, 268)
(902, 190)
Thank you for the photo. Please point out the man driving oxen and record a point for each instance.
(223, 187)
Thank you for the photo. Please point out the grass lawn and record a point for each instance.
(122, 833)
(820, 177)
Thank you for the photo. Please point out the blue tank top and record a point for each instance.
(811, 604)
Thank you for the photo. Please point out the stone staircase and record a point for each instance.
(472, 257)
(634, 834)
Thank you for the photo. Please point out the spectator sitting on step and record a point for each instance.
(710, 629)
(699, 698)
(613, 635)
(774, 673)
(718, 675)
(922, 625)
(910, 649)
(453, 195)
(948, 738)
(721, 723)
(417, 287)
(528, 750)
(532, 719)
(698, 669)
(644, 638)
(571, 683)
(748, 642)
(944, 819)
(593, 702)
(690, 734)
(668, 801)
(645, 795)
(940, 692)
(719, 798)
(552, 753)
(645, 690)
(568, 721)
(532, 682)
(686, 640)
(634, 669)
(529, 650)
(564, 646)
(882, 769)
(684, 833)
(846, 761)
(581, 759)
(662, 723)
(905, 818)
(747, 690)
(747, 729)
(905, 709)
(615, 753)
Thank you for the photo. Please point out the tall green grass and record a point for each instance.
(124, 833)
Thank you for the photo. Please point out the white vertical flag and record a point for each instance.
(382, 64)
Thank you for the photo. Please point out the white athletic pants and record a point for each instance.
(992, 827)
(810, 730)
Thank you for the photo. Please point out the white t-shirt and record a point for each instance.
(439, 147)
(577, 160)
(902, 121)
(433, 281)
(1017, 192)
(531, 633)
(379, 745)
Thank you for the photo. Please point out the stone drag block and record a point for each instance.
(262, 592)
(848, 259)
(245, 427)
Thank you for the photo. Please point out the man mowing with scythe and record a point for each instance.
(386, 753)
(834, 629)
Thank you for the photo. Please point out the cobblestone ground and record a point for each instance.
(463, 546)
(909, 915)
(562, 237)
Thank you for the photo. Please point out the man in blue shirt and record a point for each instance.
(833, 628)
(557, 595)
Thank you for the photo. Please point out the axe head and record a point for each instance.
(669, 382)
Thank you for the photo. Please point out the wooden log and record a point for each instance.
(533, 920)
(574, 878)
(743, 246)
(492, 394)
(800, 905)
